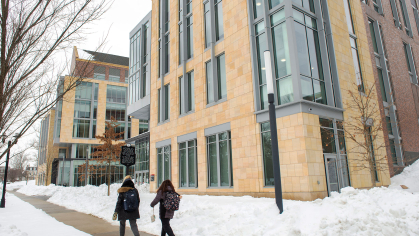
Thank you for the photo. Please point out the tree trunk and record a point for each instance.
(109, 176)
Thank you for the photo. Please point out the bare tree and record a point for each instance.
(32, 33)
(19, 163)
(105, 154)
(364, 131)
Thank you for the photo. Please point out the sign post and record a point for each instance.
(127, 157)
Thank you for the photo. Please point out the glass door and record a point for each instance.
(331, 173)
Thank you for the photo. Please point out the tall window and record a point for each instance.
(370, 143)
(377, 6)
(410, 63)
(85, 110)
(163, 164)
(267, 154)
(207, 18)
(220, 171)
(99, 72)
(189, 33)
(405, 17)
(282, 58)
(309, 58)
(114, 75)
(135, 43)
(221, 74)
(188, 37)
(261, 46)
(143, 155)
(165, 104)
(116, 107)
(415, 12)
(219, 24)
(188, 164)
(378, 59)
(166, 37)
(186, 93)
(219, 80)
(354, 47)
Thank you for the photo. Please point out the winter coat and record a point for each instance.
(122, 214)
(160, 197)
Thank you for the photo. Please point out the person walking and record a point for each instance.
(127, 206)
(165, 215)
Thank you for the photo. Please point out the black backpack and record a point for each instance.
(171, 203)
(131, 200)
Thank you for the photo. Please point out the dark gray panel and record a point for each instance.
(163, 143)
(186, 137)
(217, 129)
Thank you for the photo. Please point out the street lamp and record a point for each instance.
(9, 143)
(274, 135)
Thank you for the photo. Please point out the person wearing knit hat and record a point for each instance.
(124, 211)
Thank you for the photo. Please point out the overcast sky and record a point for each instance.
(119, 20)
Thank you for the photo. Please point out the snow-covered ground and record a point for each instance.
(20, 218)
(379, 211)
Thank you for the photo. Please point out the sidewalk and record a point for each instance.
(86, 223)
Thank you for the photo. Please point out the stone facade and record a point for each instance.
(300, 144)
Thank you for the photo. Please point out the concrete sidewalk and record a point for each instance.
(86, 223)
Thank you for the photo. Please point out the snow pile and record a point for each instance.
(20, 218)
(32, 190)
(143, 188)
(17, 185)
(379, 211)
(409, 177)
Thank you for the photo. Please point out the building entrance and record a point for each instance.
(141, 177)
(337, 175)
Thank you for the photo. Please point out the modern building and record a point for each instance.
(68, 132)
(204, 95)
(30, 173)
(393, 36)
(139, 95)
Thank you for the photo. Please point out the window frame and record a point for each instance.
(163, 152)
(187, 147)
(230, 160)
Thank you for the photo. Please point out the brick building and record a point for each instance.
(393, 39)
(206, 101)
(68, 131)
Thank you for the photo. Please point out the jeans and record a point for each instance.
(165, 227)
(132, 223)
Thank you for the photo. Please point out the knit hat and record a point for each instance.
(127, 177)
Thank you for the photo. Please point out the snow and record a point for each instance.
(20, 218)
(378, 211)
(16, 185)
(409, 177)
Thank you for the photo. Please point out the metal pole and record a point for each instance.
(3, 197)
(274, 135)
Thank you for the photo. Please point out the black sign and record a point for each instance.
(127, 156)
(152, 177)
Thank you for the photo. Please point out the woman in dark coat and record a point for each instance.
(165, 215)
(123, 215)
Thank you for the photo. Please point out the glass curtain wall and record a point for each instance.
(85, 110)
(116, 107)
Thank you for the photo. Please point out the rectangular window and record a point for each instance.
(84, 91)
(220, 171)
(144, 82)
(410, 63)
(395, 13)
(309, 57)
(189, 36)
(62, 153)
(219, 24)
(221, 73)
(285, 93)
(167, 54)
(307, 4)
(354, 46)
(58, 130)
(143, 126)
(377, 6)
(166, 103)
(267, 154)
(389, 126)
(405, 17)
(114, 75)
(81, 128)
(210, 87)
(116, 94)
(261, 46)
(188, 164)
(99, 72)
(82, 109)
(117, 111)
(163, 164)
(393, 152)
(370, 144)
(207, 18)
(186, 105)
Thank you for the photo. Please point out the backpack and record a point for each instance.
(171, 203)
(131, 200)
